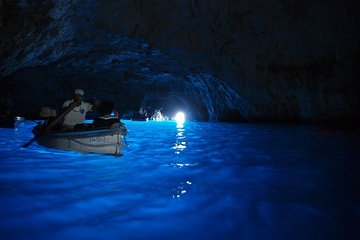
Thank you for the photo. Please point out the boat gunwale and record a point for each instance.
(96, 132)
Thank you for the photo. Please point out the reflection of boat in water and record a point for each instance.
(99, 140)
(9, 121)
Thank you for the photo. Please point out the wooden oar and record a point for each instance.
(51, 124)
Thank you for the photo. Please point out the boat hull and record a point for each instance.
(103, 141)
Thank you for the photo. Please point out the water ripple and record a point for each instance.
(200, 181)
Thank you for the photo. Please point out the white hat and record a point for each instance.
(47, 112)
(79, 92)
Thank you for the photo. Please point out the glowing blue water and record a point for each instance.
(202, 181)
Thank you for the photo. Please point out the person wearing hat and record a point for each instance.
(48, 114)
(76, 115)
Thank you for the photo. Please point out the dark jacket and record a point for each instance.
(105, 121)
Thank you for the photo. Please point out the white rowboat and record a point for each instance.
(100, 140)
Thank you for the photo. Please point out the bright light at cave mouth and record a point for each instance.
(180, 118)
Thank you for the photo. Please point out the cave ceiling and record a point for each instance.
(215, 60)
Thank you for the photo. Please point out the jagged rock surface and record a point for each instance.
(216, 60)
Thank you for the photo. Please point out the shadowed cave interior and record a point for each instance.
(237, 61)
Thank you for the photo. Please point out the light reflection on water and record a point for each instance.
(195, 181)
(180, 143)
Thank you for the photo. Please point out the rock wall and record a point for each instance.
(217, 60)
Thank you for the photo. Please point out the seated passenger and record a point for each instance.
(105, 109)
(49, 115)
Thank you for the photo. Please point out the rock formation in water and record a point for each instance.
(215, 60)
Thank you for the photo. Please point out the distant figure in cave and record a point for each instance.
(6, 105)
(108, 116)
(75, 118)
(7, 113)
(141, 115)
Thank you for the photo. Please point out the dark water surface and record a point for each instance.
(198, 181)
